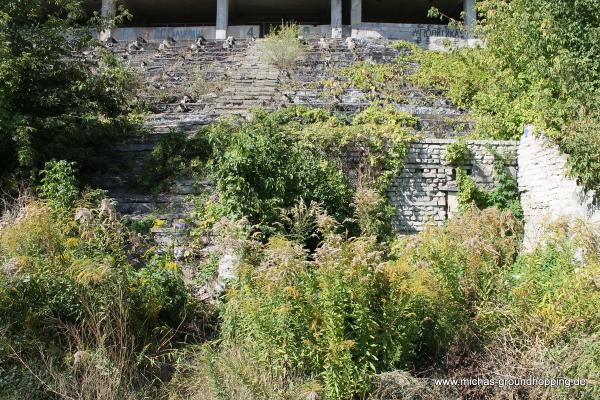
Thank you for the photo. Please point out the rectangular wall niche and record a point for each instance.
(451, 204)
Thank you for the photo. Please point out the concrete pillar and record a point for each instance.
(336, 18)
(470, 14)
(108, 10)
(356, 16)
(222, 19)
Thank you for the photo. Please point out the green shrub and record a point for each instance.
(504, 197)
(174, 155)
(261, 168)
(470, 257)
(538, 67)
(65, 275)
(339, 316)
(458, 153)
(374, 214)
(280, 158)
(54, 101)
(58, 184)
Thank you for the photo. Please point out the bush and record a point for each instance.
(458, 154)
(261, 168)
(341, 316)
(58, 184)
(282, 47)
(338, 315)
(504, 197)
(174, 155)
(298, 154)
(68, 292)
(54, 100)
(538, 67)
(470, 258)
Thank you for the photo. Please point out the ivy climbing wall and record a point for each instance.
(425, 190)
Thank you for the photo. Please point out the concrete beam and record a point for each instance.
(470, 11)
(108, 11)
(336, 18)
(355, 16)
(222, 19)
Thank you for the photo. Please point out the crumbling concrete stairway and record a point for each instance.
(189, 85)
(438, 118)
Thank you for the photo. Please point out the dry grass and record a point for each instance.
(102, 362)
(206, 374)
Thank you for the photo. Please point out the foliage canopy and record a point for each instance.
(62, 94)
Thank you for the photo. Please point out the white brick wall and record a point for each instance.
(547, 193)
(424, 190)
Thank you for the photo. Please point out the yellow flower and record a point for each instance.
(72, 242)
(158, 223)
(172, 266)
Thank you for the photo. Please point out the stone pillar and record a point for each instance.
(336, 18)
(356, 16)
(470, 14)
(222, 19)
(108, 11)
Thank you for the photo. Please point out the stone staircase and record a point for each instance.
(187, 87)
(438, 118)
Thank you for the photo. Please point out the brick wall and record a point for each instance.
(547, 193)
(425, 189)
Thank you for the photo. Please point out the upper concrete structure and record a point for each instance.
(218, 19)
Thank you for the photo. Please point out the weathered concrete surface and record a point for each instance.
(446, 44)
(184, 33)
(548, 195)
(237, 81)
(417, 33)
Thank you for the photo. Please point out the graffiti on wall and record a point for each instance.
(423, 32)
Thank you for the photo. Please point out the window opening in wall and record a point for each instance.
(468, 170)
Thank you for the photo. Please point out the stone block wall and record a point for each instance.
(547, 193)
(424, 192)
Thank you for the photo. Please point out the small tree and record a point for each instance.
(63, 95)
(282, 47)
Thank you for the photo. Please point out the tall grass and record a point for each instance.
(282, 47)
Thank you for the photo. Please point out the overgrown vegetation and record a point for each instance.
(62, 94)
(263, 167)
(325, 301)
(78, 319)
(453, 302)
(282, 47)
(539, 66)
(504, 197)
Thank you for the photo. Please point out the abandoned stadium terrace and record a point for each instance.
(241, 19)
